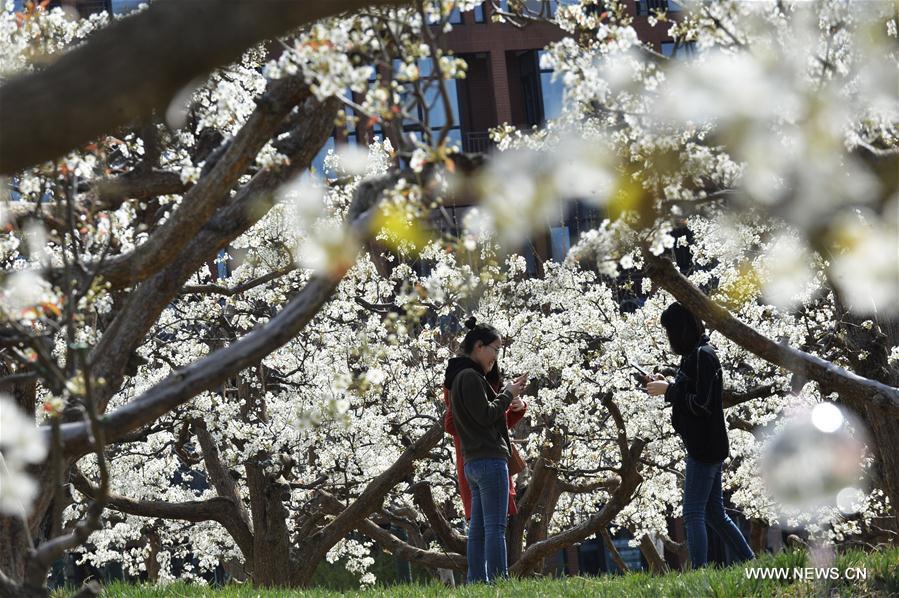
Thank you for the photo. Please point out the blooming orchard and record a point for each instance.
(268, 345)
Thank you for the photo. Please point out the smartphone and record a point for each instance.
(641, 375)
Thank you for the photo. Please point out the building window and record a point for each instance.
(649, 7)
(581, 217)
(433, 107)
(479, 14)
(552, 91)
(557, 4)
(456, 17)
(685, 50)
(318, 162)
(124, 6)
(560, 242)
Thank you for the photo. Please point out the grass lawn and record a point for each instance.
(882, 569)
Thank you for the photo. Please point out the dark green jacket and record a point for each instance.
(479, 415)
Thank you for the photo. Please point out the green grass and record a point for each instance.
(882, 580)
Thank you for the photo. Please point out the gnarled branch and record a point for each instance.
(831, 377)
(396, 546)
(449, 538)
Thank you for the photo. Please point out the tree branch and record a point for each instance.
(110, 193)
(316, 547)
(449, 538)
(396, 546)
(211, 509)
(620, 498)
(39, 560)
(542, 478)
(378, 488)
(608, 484)
(135, 66)
(217, 367)
(613, 550)
(656, 563)
(225, 487)
(252, 202)
(241, 288)
(732, 399)
(218, 508)
(211, 190)
(831, 377)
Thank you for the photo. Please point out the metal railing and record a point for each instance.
(476, 142)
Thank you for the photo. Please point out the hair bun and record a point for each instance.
(471, 322)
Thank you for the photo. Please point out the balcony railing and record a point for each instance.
(476, 142)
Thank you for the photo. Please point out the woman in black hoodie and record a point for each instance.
(479, 417)
(697, 415)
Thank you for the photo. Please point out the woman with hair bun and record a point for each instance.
(697, 415)
(477, 416)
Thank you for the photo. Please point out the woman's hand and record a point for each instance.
(517, 404)
(658, 386)
(517, 386)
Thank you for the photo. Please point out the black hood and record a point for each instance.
(703, 340)
(456, 365)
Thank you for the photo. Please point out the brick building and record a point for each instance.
(505, 84)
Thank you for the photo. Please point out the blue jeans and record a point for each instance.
(704, 504)
(486, 546)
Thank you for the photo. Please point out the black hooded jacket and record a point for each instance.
(479, 413)
(697, 410)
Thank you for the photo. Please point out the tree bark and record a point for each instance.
(271, 550)
(13, 547)
(538, 524)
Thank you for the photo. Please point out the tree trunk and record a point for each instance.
(151, 561)
(572, 560)
(13, 547)
(538, 525)
(885, 431)
(542, 479)
(619, 498)
(656, 563)
(271, 539)
(758, 536)
(867, 350)
(613, 551)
